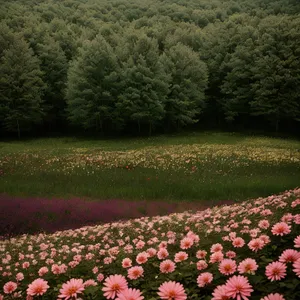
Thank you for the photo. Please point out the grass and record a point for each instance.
(209, 166)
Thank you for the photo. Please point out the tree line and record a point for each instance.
(144, 66)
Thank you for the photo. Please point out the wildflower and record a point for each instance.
(297, 242)
(130, 294)
(238, 242)
(172, 290)
(264, 224)
(181, 256)
(281, 228)
(201, 265)
(42, 271)
(216, 257)
(135, 272)
(273, 297)
(256, 244)
(167, 266)
(204, 279)
(186, 243)
(100, 277)
(162, 253)
(238, 287)
(296, 266)
(142, 258)
(227, 266)
(113, 285)
(216, 248)
(201, 254)
(37, 287)
(275, 271)
(71, 288)
(248, 265)
(9, 287)
(126, 262)
(20, 276)
(220, 293)
(289, 255)
(230, 254)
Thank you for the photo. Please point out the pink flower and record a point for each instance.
(276, 271)
(71, 288)
(216, 248)
(220, 293)
(296, 266)
(289, 255)
(230, 254)
(256, 244)
(281, 229)
(297, 242)
(100, 277)
(142, 258)
(9, 287)
(186, 243)
(126, 262)
(20, 276)
(37, 287)
(172, 290)
(238, 287)
(264, 224)
(42, 271)
(167, 266)
(135, 272)
(201, 254)
(227, 266)
(181, 256)
(248, 265)
(201, 265)
(162, 253)
(90, 282)
(216, 257)
(238, 242)
(130, 294)
(204, 279)
(273, 297)
(113, 285)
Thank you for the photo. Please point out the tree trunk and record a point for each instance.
(150, 129)
(18, 128)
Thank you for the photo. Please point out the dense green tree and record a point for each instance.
(185, 100)
(92, 85)
(145, 84)
(21, 87)
(54, 65)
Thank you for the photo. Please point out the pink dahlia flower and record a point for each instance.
(135, 272)
(130, 294)
(281, 228)
(37, 287)
(172, 290)
(220, 293)
(289, 255)
(273, 297)
(204, 279)
(113, 285)
(248, 265)
(167, 266)
(71, 288)
(227, 266)
(9, 287)
(276, 271)
(296, 266)
(238, 287)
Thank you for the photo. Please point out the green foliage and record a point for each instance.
(21, 87)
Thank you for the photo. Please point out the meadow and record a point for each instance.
(207, 167)
(134, 219)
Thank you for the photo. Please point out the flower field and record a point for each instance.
(243, 251)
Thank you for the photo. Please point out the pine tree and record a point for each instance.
(21, 87)
(186, 98)
(92, 84)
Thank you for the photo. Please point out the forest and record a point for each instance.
(128, 66)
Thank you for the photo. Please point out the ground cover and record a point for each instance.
(247, 250)
(201, 166)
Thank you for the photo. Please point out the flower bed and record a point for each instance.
(242, 251)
